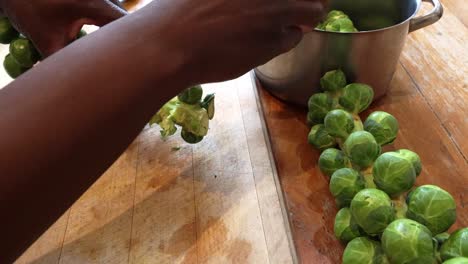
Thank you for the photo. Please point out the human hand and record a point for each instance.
(53, 24)
(222, 39)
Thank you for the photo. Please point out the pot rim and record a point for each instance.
(418, 6)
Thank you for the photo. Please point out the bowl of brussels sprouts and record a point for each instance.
(364, 38)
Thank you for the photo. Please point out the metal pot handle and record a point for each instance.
(426, 20)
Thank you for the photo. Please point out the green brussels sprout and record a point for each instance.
(7, 32)
(433, 207)
(337, 21)
(339, 123)
(372, 209)
(336, 14)
(24, 52)
(209, 104)
(333, 81)
(361, 148)
(383, 126)
(164, 118)
(393, 173)
(191, 95)
(332, 160)
(81, 34)
(441, 238)
(331, 16)
(364, 250)
(192, 118)
(345, 183)
(343, 25)
(319, 138)
(407, 241)
(456, 245)
(459, 260)
(356, 97)
(319, 106)
(413, 158)
(12, 67)
(190, 137)
(345, 227)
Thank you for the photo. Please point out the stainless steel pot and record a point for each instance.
(369, 56)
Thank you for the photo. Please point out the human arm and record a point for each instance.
(66, 120)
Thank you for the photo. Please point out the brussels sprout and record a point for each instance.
(7, 32)
(356, 97)
(333, 81)
(331, 16)
(319, 138)
(24, 52)
(363, 250)
(345, 227)
(192, 118)
(190, 137)
(12, 68)
(361, 148)
(407, 241)
(413, 158)
(209, 105)
(164, 118)
(459, 260)
(383, 126)
(336, 14)
(81, 34)
(337, 21)
(341, 25)
(393, 173)
(332, 160)
(339, 123)
(433, 207)
(191, 95)
(345, 183)
(319, 106)
(372, 210)
(456, 245)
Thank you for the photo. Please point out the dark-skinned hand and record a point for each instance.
(53, 24)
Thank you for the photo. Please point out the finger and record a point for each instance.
(304, 13)
(51, 44)
(104, 12)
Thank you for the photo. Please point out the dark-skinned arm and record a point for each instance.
(65, 121)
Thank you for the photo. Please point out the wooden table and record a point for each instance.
(221, 201)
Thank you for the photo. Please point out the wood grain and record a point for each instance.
(99, 225)
(436, 58)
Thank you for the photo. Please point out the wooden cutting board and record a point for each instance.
(428, 96)
(215, 202)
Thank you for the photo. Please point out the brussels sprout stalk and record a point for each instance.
(368, 178)
(400, 206)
